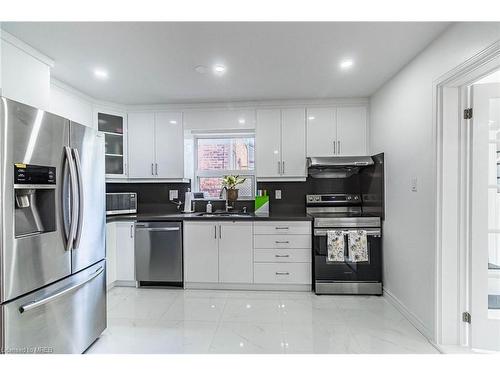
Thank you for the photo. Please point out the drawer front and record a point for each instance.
(282, 255)
(282, 227)
(276, 241)
(282, 273)
(65, 317)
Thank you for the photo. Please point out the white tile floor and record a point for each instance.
(178, 321)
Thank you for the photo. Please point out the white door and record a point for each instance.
(141, 150)
(293, 142)
(169, 145)
(201, 252)
(124, 251)
(321, 131)
(485, 221)
(351, 131)
(268, 143)
(235, 252)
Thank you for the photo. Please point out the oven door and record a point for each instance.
(370, 271)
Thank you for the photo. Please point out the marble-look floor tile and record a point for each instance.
(258, 338)
(206, 321)
(252, 311)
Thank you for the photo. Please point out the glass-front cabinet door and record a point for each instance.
(113, 125)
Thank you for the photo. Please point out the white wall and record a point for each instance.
(25, 73)
(401, 125)
(69, 103)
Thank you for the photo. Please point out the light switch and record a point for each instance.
(413, 184)
(173, 194)
(278, 194)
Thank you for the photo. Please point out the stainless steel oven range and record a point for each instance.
(343, 212)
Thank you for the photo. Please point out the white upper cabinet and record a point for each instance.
(141, 141)
(169, 145)
(114, 126)
(156, 145)
(293, 142)
(336, 131)
(268, 143)
(281, 143)
(321, 131)
(351, 131)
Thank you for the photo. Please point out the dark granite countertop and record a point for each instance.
(197, 217)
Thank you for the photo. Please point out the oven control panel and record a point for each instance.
(333, 199)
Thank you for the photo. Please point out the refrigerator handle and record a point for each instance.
(81, 206)
(74, 202)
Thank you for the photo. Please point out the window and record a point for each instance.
(219, 156)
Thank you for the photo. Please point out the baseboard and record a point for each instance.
(121, 283)
(259, 287)
(412, 318)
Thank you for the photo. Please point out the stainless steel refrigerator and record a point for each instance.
(52, 238)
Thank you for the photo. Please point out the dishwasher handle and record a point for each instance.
(168, 229)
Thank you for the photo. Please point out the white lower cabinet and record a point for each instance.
(235, 252)
(124, 252)
(282, 273)
(201, 252)
(282, 253)
(218, 252)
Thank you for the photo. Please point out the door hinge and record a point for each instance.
(467, 113)
(466, 318)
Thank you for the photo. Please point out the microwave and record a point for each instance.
(121, 203)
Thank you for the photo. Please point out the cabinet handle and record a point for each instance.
(220, 231)
(282, 228)
(282, 273)
(132, 231)
(152, 169)
(282, 241)
(339, 147)
(156, 169)
(279, 168)
(215, 231)
(283, 169)
(334, 147)
(281, 256)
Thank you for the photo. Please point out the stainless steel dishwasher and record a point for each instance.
(158, 254)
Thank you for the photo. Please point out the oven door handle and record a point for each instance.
(369, 232)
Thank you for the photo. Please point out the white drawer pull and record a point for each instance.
(282, 273)
(282, 256)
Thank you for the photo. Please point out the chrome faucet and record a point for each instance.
(227, 206)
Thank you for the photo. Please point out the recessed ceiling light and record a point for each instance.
(346, 64)
(241, 120)
(311, 118)
(173, 122)
(101, 73)
(202, 69)
(219, 69)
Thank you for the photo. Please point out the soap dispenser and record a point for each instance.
(209, 207)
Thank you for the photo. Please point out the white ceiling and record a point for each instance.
(152, 62)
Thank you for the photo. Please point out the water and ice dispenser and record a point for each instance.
(35, 199)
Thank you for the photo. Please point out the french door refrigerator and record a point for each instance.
(52, 237)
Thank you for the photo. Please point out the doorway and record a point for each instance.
(468, 209)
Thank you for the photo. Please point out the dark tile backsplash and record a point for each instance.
(154, 197)
(293, 193)
(151, 197)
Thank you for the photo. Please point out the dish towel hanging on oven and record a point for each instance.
(358, 247)
(336, 246)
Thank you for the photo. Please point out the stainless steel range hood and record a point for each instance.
(336, 166)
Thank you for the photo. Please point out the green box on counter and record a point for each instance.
(262, 205)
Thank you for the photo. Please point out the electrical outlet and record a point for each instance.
(278, 194)
(173, 194)
(413, 184)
